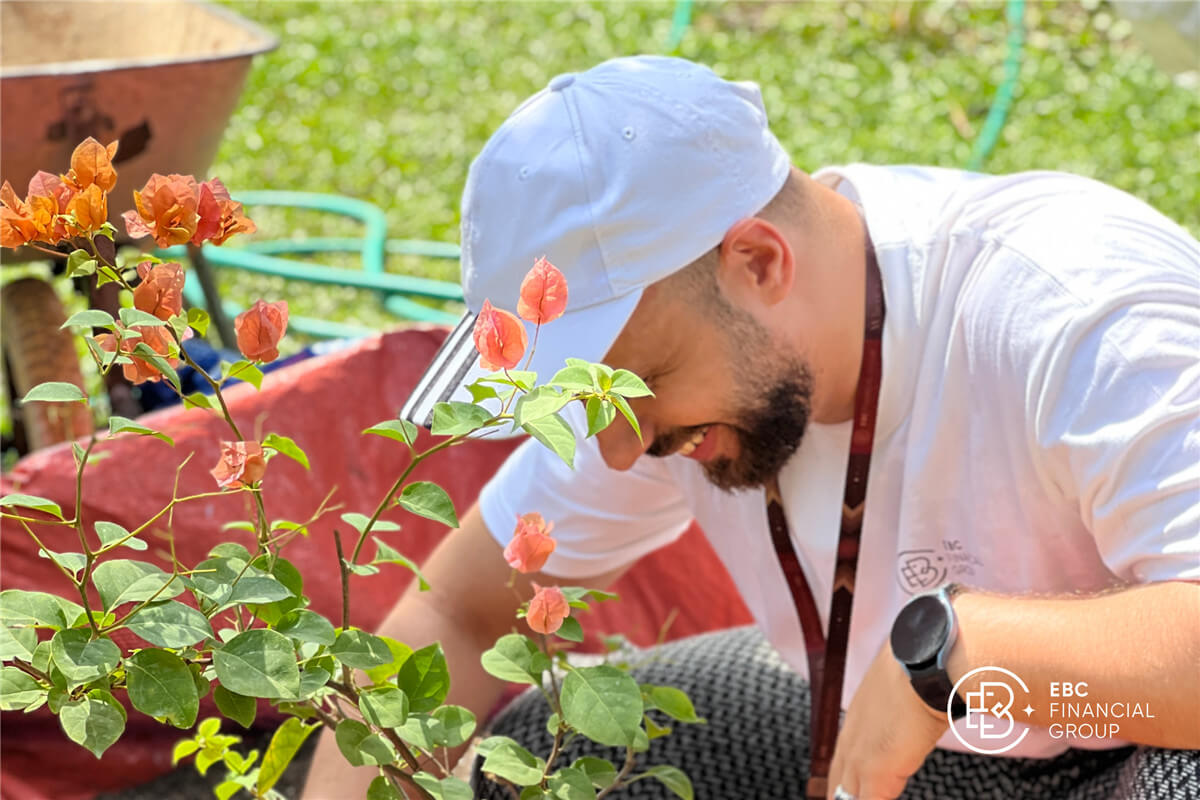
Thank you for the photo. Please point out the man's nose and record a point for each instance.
(619, 444)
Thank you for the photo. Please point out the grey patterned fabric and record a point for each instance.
(755, 744)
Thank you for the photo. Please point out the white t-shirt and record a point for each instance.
(1037, 428)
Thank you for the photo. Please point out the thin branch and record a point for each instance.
(626, 768)
(390, 769)
(344, 572)
(29, 669)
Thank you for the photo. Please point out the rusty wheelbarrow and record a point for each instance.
(161, 77)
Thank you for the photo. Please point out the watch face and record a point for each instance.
(921, 629)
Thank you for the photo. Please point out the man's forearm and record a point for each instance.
(1139, 646)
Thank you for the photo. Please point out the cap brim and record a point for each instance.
(585, 333)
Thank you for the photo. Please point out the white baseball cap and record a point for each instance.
(619, 176)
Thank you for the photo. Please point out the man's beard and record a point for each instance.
(768, 434)
(768, 429)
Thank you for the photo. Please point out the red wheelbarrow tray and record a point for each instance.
(324, 404)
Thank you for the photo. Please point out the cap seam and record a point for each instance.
(576, 134)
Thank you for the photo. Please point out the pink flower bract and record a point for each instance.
(547, 609)
(531, 544)
(543, 293)
(499, 337)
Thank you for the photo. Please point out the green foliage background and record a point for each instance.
(390, 101)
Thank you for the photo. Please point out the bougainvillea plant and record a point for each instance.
(237, 625)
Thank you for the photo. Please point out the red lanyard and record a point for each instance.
(827, 655)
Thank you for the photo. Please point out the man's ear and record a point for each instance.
(757, 265)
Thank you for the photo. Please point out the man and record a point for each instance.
(1032, 437)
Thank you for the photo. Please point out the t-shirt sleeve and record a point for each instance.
(603, 519)
(1117, 424)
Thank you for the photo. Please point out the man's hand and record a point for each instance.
(887, 734)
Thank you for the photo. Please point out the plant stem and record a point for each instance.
(344, 572)
(626, 768)
(29, 669)
(391, 770)
(89, 556)
(387, 498)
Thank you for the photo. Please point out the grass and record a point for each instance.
(389, 102)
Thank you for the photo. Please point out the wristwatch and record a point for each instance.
(922, 637)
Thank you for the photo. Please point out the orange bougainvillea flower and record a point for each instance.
(90, 208)
(219, 216)
(259, 329)
(547, 609)
(161, 291)
(531, 544)
(91, 165)
(543, 293)
(499, 337)
(141, 370)
(16, 219)
(166, 210)
(48, 197)
(241, 464)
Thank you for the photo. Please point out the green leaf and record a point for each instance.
(287, 447)
(71, 562)
(107, 230)
(570, 630)
(170, 624)
(80, 263)
(18, 689)
(623, 406)
(118, 424)
(110, 533)
(516, 659)
(451, 419)
(32, 501)
(91, 318)
(480, 392)
(555, 433)
(671, 701)
(55, 392)
(361, 569)
(599, 415)
(245, 371)
(399, 654)
(627, 384)
(237, 707)
(283, 748)
(306, 626)
(603, 703)
(361, 747)
(576, 595)
(257, 589)
(258, 663)
(386, 554)
(146, 353)
(600, 771)
(96, 722)
(522, 379)
(386, 707)
(178, 323)
(538, 404)
(458, 724)
(160, 685)
(381, 789)
(429, 500)
(571, 783)
(671, 777)
(425, 678)
(421, 731)
(284, 572)
(183, 749)
(359, 522)
(513, 762)
(197, 400)
(37, 609)
(131, 317)
(17, 643)
(653, 729)
(198, 319)
(360, 649)
(575, 379)
(82, 659)
(127, 581)
(399, 429)
(450, 788)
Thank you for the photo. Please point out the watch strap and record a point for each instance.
(933, 685)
